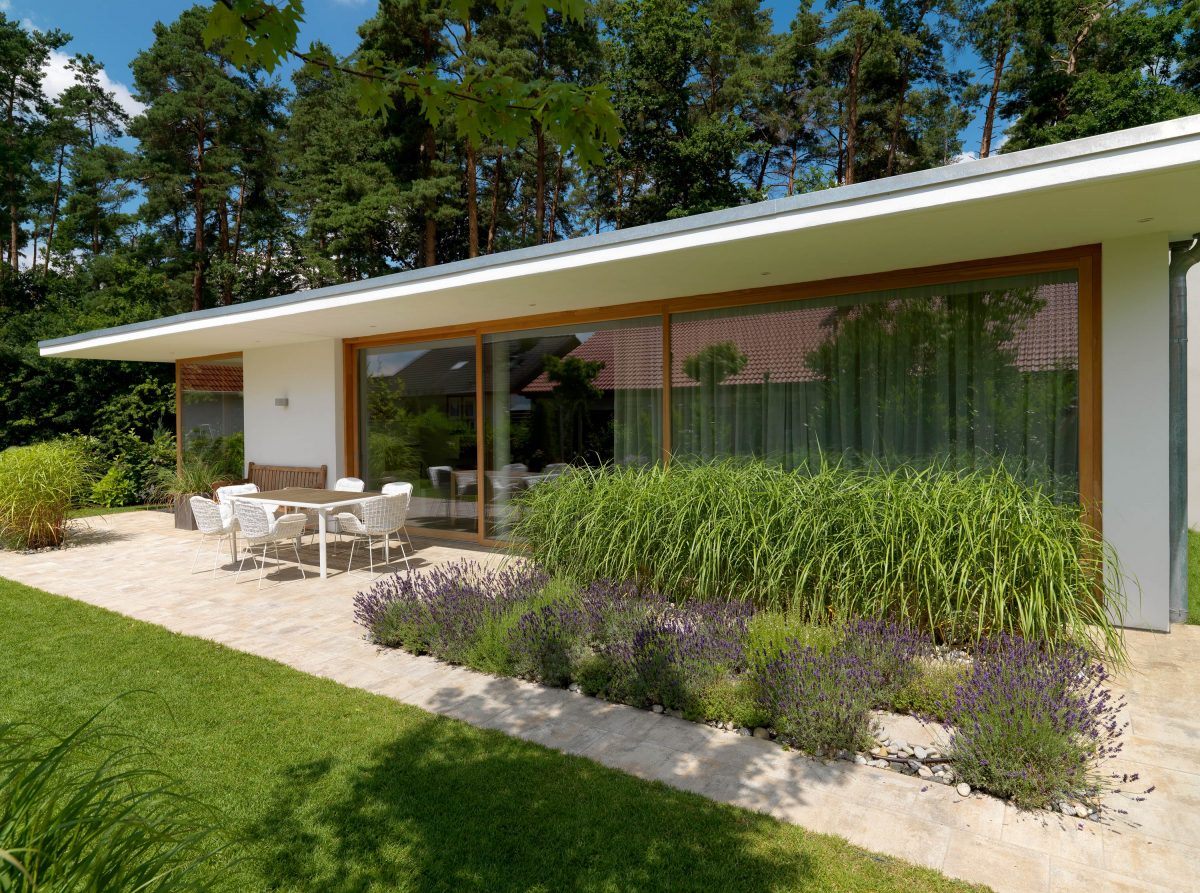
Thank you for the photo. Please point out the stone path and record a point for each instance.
(137, 564)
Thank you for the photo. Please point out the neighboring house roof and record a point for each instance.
(212, 377)
(778, 344)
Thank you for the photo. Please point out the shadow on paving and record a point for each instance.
(437, 810)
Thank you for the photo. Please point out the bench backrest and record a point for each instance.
(276, 477)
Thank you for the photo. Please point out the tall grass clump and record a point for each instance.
(961, 555)
(84, 812)
(39, 486)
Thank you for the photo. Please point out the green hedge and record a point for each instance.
(961, 554)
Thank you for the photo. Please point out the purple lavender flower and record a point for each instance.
(1031, 724)
(442, 610)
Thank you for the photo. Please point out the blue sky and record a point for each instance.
(114, 31)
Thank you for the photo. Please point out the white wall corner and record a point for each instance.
(1135, 491)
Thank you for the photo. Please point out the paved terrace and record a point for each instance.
(138, 564)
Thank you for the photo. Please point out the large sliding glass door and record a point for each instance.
(417, 424)
(964, 374)
(568, 396)
(967, 373)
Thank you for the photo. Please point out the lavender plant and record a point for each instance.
(441, 611)
(887, 651)
(1032, 725)
(548, 643)
(819, 702)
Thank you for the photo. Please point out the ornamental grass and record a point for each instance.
(85, 812)
(40, 485)
(960, 555)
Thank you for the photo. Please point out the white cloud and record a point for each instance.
(964, 156)
(57, 77)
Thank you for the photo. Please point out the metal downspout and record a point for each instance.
(1184, 255)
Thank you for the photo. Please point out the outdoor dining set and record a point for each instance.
(269, 519)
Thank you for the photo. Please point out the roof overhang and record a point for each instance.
(1086, 191)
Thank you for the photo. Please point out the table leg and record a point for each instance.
(321, 538)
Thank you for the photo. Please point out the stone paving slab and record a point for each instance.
(138, 565)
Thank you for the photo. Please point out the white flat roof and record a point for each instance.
(1130, 182)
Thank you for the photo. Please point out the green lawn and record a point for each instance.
(1193, 577)
(332, 789)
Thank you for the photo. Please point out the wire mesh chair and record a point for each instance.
(213, 525)
(225, 496)
(399, 488)
(348, 485)
(263, 529)
(380, 517)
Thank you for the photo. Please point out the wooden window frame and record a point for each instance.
(1083, 259)
(179, 364)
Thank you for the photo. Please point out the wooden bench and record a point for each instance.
(276, 477)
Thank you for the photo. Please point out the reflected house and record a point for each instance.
(1014, 308)
(212, 398)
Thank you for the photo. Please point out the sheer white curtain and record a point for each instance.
(968, 373)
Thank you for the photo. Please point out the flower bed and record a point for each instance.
(1023, 721)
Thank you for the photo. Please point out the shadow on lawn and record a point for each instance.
(442, 809)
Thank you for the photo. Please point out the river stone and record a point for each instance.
(760, 732)
(964, 789)
(925, 772)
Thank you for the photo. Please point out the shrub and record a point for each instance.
(443, 610)
(818, 702)
(959, 554)
(39, 485)
(115, 489)
(84, 812)
(730, 698)
(548, 643)
(1031, 725)
(886, 651)
(495, 650)
(930, 693)
(770, 632)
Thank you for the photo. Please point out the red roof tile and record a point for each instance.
(780, 342)
(211, 377)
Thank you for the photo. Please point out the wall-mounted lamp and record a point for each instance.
(281, 401)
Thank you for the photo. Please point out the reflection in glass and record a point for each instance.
(211, 421)
(968, 374)
(417, 417)
(559, 397)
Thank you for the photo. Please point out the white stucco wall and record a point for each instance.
(1193, 310)
(309, 431)
(1135, 419)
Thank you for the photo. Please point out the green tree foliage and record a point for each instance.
(456, 129)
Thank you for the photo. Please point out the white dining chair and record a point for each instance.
(400, 488)
(225, 497)
(346, 485)
(260, 528)
(380, 517)
(213, 525)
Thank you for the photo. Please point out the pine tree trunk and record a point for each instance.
(428, 147)
(223, 247)
(62, 151)
(852, 109)
(989, 118)
(497, 175)
(897, 121)
(198, 239)
(539, 202)
(472, 204)
(558, 181)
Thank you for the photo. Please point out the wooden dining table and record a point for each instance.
(320, 501)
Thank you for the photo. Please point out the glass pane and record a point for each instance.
(212, 417)
(968, 374)
(568, 396)
(417, 411)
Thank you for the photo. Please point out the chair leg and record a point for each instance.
(262, 567)
(371, 552)
(196, 557)
(238, 575)
(217, 556)
(350, 563)
(296, 549)
(387, 545)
